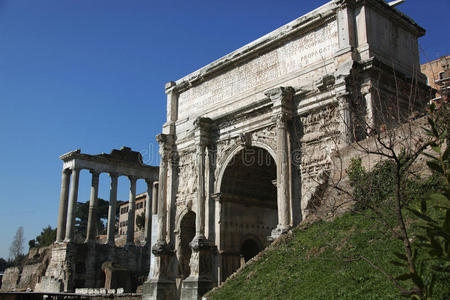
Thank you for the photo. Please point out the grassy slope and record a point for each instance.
(319, 263)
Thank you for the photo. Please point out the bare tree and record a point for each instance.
(17, 246)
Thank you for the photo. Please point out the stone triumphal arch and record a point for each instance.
(249, 138)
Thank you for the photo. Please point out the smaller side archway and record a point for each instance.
(184, 251)
(249, 249)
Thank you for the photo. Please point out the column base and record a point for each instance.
(161, 285)
(277, 232)
(202, 264)
(194, 288)
(157, 289)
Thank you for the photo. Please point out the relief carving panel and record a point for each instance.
(320, 138)
(187, 177)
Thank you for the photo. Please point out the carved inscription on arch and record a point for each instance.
(317, 45)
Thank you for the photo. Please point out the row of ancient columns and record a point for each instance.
(162, 202)
(68, 200)
(161, 282)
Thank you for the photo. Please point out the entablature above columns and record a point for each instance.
(123, 162)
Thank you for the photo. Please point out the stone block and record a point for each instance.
(159, 290)
(194, 288)
(49, 285)
(29, 277)
(10, 279)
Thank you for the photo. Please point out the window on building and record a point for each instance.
(124, 210)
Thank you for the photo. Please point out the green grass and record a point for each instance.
(322, 262)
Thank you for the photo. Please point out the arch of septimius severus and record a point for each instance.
(249, 137)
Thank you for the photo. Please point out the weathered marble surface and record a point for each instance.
(294, 95)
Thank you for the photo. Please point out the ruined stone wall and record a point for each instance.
(320, 137)
(25, 276)
(80, 266)
(330, 202)
(10, 278)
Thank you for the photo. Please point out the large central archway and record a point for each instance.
(249, 206)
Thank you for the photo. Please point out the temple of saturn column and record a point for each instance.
(249, 138)
(78, 264)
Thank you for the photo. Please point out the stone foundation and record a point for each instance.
(83, 266)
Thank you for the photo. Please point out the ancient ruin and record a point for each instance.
(246, 148)
(249, 138)
(89, 264)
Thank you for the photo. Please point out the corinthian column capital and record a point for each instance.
(280, 119)
(283, 107)
(280, 93)
(165, 146)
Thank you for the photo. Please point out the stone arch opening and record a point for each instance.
(187, 233)
(249, 249)
(248, 206)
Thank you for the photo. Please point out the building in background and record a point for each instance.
(123, 214)
(438, 76)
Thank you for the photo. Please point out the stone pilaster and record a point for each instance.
(346, 29)
(202, 139)
(73, 196)
(63, 199)
(92, 216)
(345, 123)
(366, 92)
(172, 108)
(210, 205)
(282, 111)
(155, 198)
(131, 210)
(148, 214)
(112, 209)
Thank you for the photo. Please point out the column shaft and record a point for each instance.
(155, 198)
(148, 214)
(73, 195)
(282, 174)
(345, 120)
(63, 199)
(282, 111)
(200, 219)
(91, 232)
(112, 210)
(131, 210)
(162, 209)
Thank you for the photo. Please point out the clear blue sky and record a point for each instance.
(90, 74)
